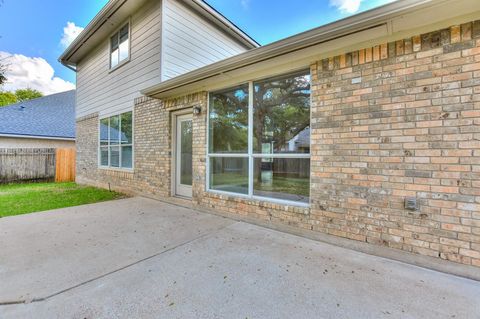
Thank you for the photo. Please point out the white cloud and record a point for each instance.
(35, 73)
(346, 6)
(70, 32)
(245, 3)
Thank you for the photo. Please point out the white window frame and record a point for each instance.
(99, 157)
(251, 155)
(117, 33)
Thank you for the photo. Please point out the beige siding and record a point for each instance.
(109, 92)
(190, 42)
(13, 142)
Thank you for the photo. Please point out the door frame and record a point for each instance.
(173, 177)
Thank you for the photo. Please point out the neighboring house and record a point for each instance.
(46, 122)
(390, 98)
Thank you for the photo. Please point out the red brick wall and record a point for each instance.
(401, 120)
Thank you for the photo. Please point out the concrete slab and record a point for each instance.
(229, 270)
(44, 253)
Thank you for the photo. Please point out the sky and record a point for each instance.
(34, 33)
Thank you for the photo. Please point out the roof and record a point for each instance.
(117, 10)
(380, 22)
(51, 116)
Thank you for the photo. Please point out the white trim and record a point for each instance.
(233, 155)
(207, 147)
(340, 36)
(127, 59)
(174, 164)
(252, 156)
(108, 167)
(251, 161)
(260, 198)
(37, 137)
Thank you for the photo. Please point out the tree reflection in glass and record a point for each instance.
(229, 121)
(281, 118)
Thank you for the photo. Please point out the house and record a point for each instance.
(390, 98)
(46, 122)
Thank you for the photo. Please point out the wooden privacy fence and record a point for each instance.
(36, 164)
(65, 165)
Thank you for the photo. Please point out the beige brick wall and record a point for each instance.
(397, 120)
(151, 147)
(394, 121)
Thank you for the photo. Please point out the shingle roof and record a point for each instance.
(48, 116)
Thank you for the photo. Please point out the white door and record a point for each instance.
(183, 156)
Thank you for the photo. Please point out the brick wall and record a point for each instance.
(151, 152)
(401, 120)
(397, 120)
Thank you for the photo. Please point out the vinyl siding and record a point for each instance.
(190, 42)
(109, 92)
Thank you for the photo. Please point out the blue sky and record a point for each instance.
(32, 30)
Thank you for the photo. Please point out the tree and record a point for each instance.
(3, 70)
(7, 98)
(27, 94)
(22, 95)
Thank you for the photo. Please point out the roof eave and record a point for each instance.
(39, 137)
(356, 23)
(225, 23)
(113, 5)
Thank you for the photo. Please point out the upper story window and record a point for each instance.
(120, 46)
(259, 139)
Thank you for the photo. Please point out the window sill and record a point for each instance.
(118, 66)
(117, 169)
(303, 208)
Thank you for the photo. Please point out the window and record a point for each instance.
(259, 139)
(120, 46)
(116, 141)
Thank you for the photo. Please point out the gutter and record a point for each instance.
(97, 22)
(114, 5)
(39, 137)
(357, 23)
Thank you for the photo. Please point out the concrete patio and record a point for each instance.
(141, 258)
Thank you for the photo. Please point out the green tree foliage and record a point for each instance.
(27, 94)
(7, 98)
(229, 121)
(281, 111)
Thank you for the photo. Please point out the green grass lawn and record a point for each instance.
(16, 199)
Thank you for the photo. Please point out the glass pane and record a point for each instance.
(229, 121)
(126, 128)
(124, 47)
(229, 174)
(282, 178)
(124, 33)
(126, 156)
(114, 42)
(186, 153)
(114, 156)
(104, 156)
(104, 132)
(114, 58)
(115, 129)
(281, 117)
